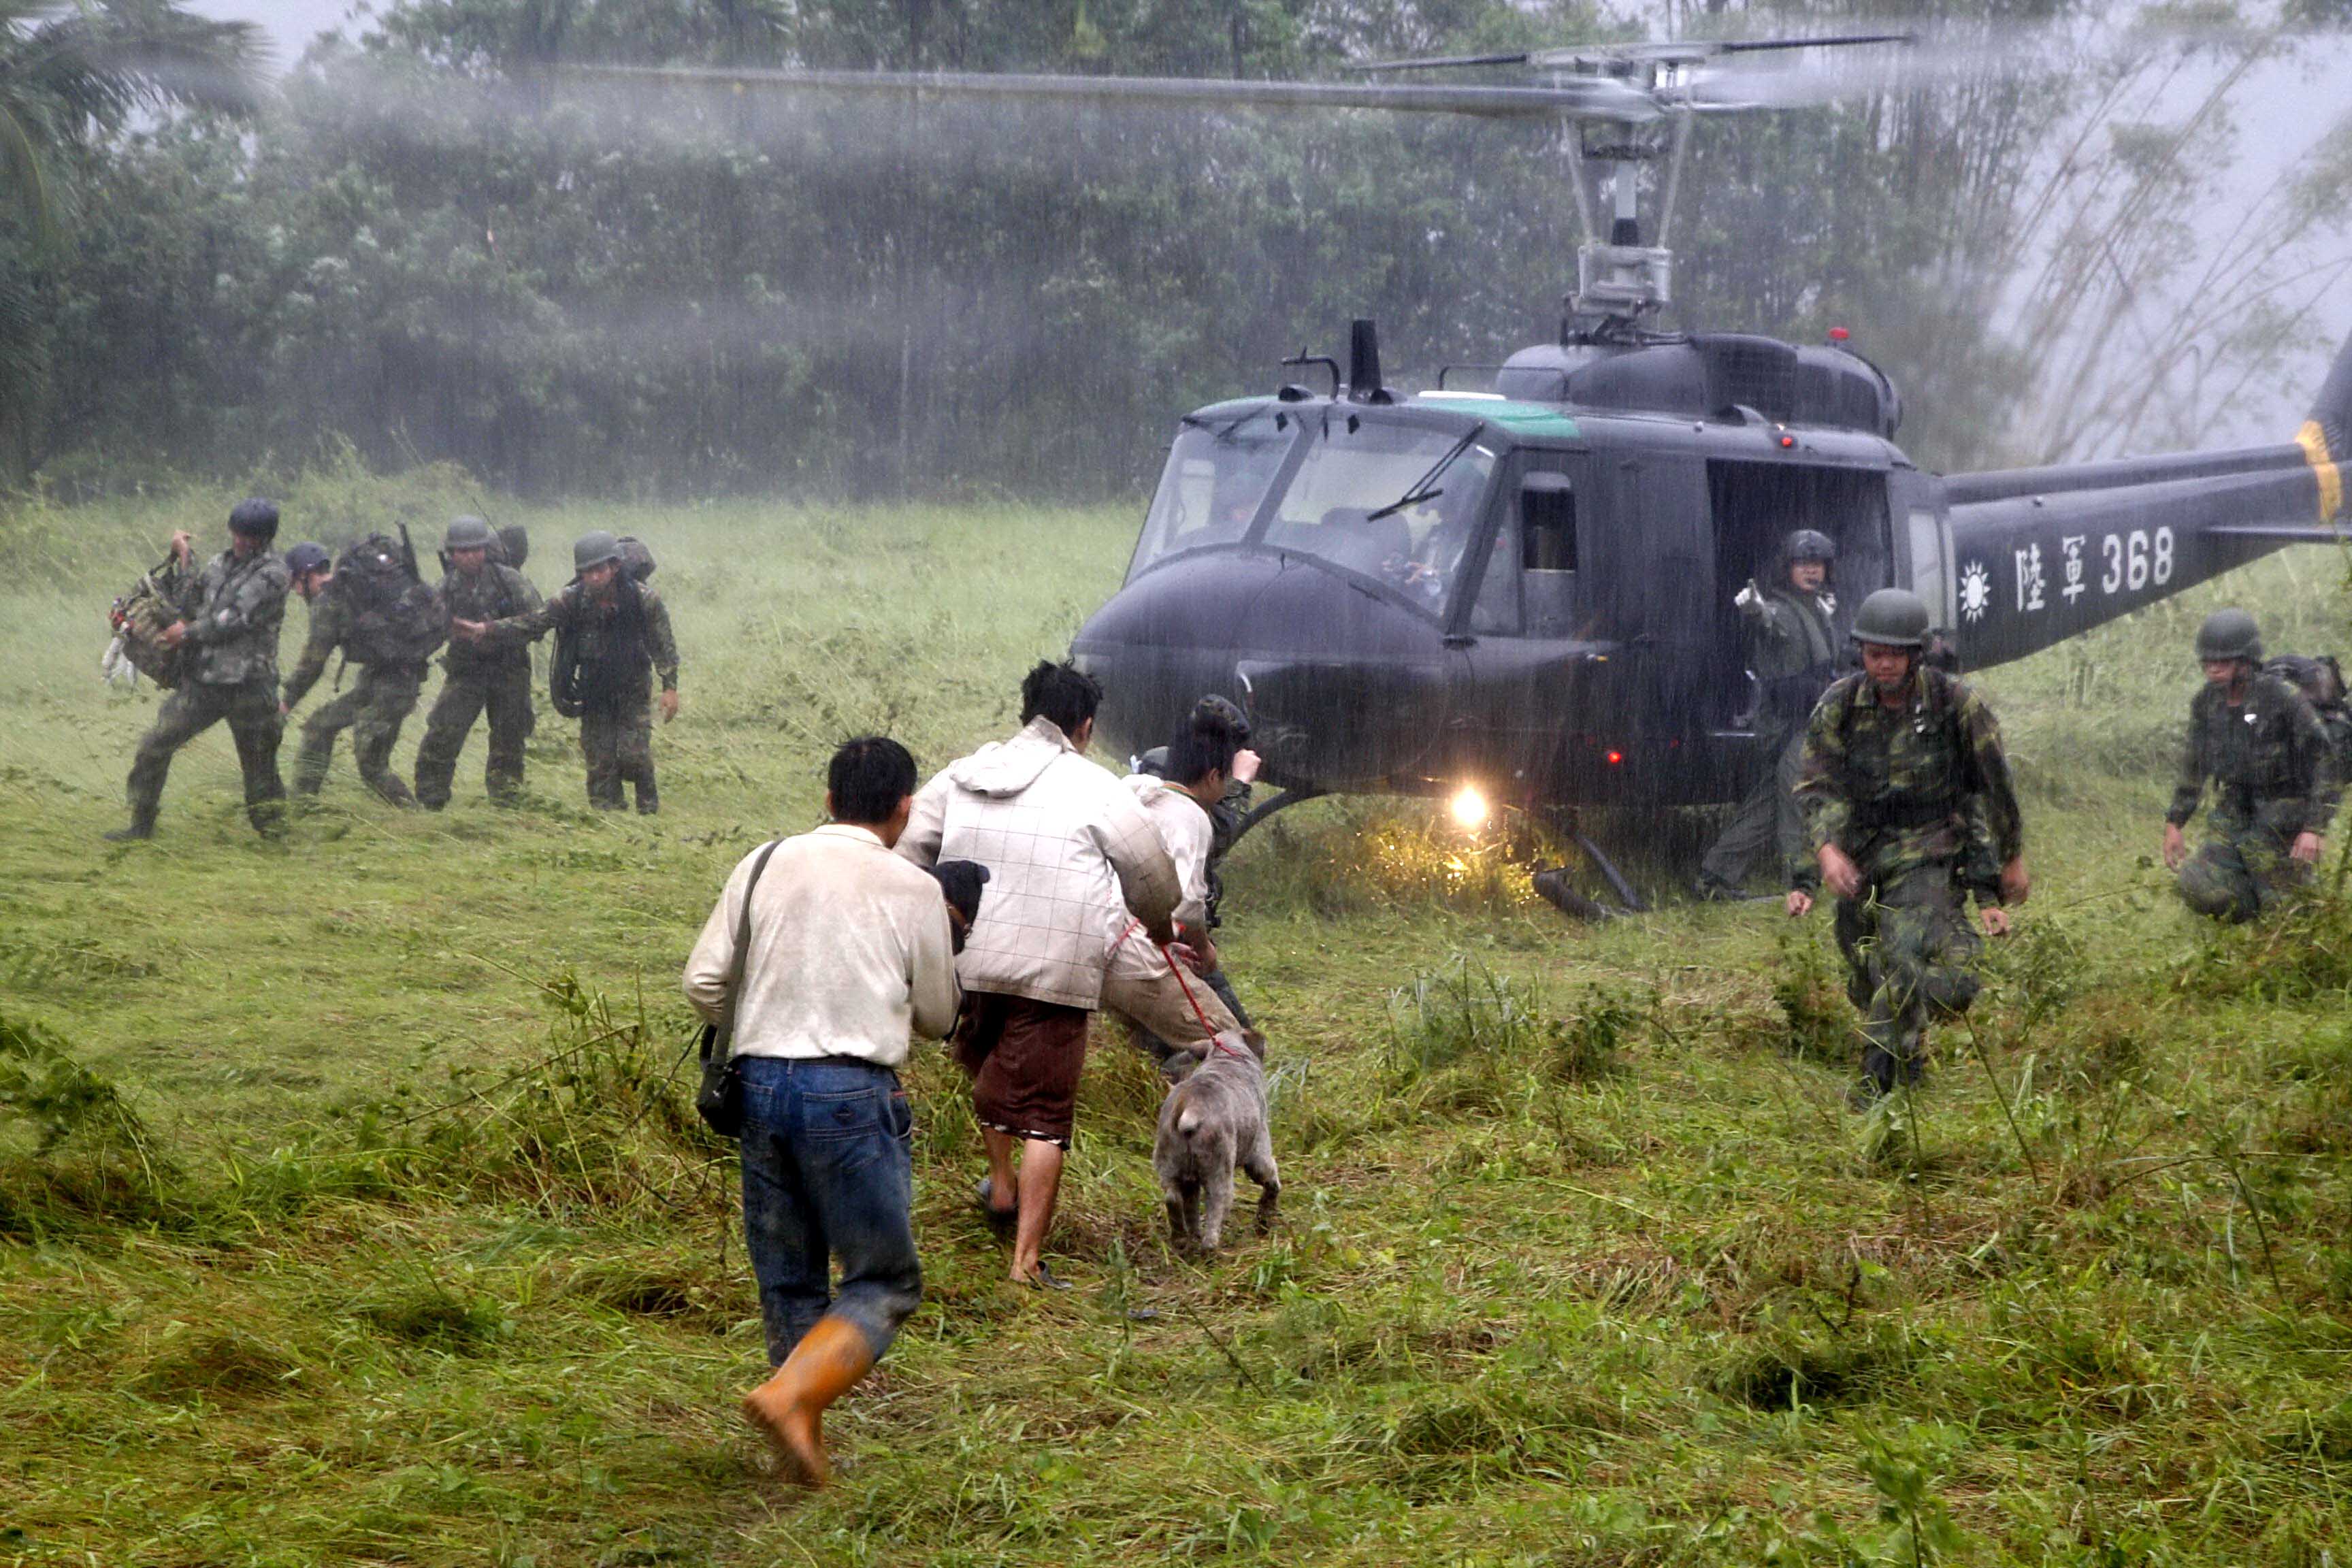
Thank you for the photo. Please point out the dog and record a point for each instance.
(1210, 1124)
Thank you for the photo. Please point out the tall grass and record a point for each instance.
(352, 1208)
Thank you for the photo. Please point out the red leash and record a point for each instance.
(1216, 1041)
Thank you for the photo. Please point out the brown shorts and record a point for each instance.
(1024, 1058)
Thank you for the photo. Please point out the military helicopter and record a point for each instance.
(1525, 593)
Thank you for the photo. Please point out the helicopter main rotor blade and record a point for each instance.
(1597, 99)
(1601, 56)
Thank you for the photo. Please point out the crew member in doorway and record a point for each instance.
(1792, 648)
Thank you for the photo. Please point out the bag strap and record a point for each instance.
(725, 1045)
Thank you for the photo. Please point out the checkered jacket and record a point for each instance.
(1070, 855)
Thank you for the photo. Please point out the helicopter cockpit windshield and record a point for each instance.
(1397, 502)
(1217, 476)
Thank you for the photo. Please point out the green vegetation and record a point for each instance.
(351, 1210)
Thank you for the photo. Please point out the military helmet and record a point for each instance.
(255, 518)
(1810, 544)
(305, 558)
(2229, 634)
(1892, 617)
(593, 549)
(467, 533)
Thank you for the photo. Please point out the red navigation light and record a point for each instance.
(1839, 334)
(1616, 757)
(1787, 442)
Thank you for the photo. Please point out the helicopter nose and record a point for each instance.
(1344, 688)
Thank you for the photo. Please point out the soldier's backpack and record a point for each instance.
(2321, 681)
(139, 616)
(637, 559)
(397, 617)
(511, 546)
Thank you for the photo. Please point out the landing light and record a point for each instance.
(1469, 808)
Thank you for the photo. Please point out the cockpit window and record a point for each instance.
(1342, 503)
(1217, 474)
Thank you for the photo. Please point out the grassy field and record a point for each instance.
(349, 1210)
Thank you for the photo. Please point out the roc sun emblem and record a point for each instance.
(1976, 590)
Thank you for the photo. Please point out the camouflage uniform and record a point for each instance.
(1793, 651)
(492, 675)
(619, 638)
(2267, 757)
(233, 610)
(374, 710)
(1920, 798)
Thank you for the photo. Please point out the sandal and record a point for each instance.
(1046, 1279)
(1001, 1221)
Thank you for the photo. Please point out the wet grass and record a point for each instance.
(350, 1208)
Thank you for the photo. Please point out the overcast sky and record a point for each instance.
(292, 24)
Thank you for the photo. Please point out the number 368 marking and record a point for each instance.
(2135, 559)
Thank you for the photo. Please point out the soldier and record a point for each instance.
(1903, 768)
(230, 614)
(2255, 737)
(488, 673)
(621, 631)
(383, 618)
(1792, 649)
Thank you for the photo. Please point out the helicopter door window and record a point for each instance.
(1217, 476)
(1530, 584)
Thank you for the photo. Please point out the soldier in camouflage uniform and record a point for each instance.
(230, 614)
(623, 632)
(374, 710)
(2255, 737)
(1792, 649)
(1903, 769)
(487, 672)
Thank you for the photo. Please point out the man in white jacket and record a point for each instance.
(1073, 861)
(848, 952)
(1191, 780)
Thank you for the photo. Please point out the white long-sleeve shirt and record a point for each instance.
(1188, 834)
(850, 952)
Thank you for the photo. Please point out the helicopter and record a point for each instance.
(1523, 592)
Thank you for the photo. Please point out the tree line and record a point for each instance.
(432, 240)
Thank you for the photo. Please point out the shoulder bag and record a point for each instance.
(720, 1098)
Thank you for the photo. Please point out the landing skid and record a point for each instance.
(1288, 798)
(1552, 884)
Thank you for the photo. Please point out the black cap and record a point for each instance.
(306, 557)
(255, 518)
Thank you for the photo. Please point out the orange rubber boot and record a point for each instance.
(790, 1407)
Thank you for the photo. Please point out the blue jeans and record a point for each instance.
(828, 1172)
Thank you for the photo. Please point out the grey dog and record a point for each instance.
(1211, 1123)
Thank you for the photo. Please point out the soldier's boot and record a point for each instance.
(140, 826)
(432, 784)
(648, 797)
(788, 1409)
(1882, 1057)
(268, 817)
